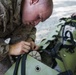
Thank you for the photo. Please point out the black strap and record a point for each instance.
(17, 66)
(54, 52)
(71, 40)
(23, 65)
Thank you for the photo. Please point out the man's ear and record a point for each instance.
(33, 1)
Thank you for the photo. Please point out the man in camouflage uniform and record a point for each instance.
(17, 22)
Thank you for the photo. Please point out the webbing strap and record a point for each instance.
(23, 65)
(17, 66)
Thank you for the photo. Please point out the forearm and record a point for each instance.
(22, 36)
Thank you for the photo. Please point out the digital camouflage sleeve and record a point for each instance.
(3, 46)
(11, 26)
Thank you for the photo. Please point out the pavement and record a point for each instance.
(61, 8)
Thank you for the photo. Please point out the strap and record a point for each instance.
(17, 65)
(71, 40)
(23, 65)
(71, 37)
(54, 51)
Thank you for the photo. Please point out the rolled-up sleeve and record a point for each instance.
(4, 48)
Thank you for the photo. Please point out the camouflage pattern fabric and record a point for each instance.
(11, 26)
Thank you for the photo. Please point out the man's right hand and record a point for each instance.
(19, 48)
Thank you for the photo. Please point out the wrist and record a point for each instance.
(10, 50)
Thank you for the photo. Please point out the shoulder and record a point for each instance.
(3, 14)
(2, 11)
(5, 2)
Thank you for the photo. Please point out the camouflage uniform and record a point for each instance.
(12, 27)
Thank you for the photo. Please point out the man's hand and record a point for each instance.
(20, 48)
(33, 45)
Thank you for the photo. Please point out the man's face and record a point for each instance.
(33, 14)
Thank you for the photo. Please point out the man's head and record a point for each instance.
(35, 11)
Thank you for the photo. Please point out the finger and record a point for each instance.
(32, 45)
(36, 48)
(27, 43)
(22, 52)
(25, 50)
(26, 47)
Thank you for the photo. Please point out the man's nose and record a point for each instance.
(37, 21)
